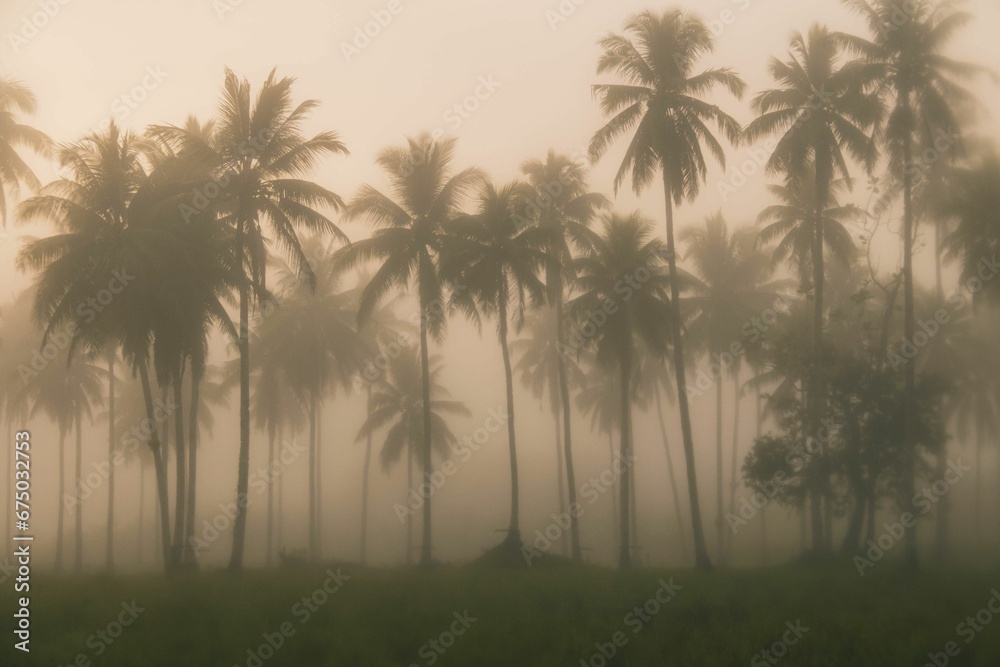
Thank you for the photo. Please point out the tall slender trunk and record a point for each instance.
(142, 509)
(720, 521)
(514, 529)
(574, 522)
(977, 512)
(189, 555)
(281, 494)
(269, 560)
(364, 487)
(409, 493)
(615, 518)
(814, 394)
(180, 462)
(160, 468)
(109, 561)
(78, 551)
(674, 491)
(426, 549)
(909, 328)
(312, 479)
(563, 545)
(62, 499)
(624, 557)
(702, 561)
(9, 513)
(944, 504)
(633, 501)
(243, 465)
(319, 480)
(765, 555)
(734, 462)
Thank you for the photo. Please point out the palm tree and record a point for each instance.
(67, 391)
(564, 208)
(539, 361)
(494, 261)
(16, 99)
(407, 241)
(257, 155)
(730, 288)
(398, 407)
(789, 226)
(116, 236)
(821, 111)
(309, 344)
(661, 99)
(622, 252)
(909, 67)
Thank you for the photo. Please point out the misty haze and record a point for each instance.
(528, 333)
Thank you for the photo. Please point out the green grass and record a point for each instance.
(543, 616)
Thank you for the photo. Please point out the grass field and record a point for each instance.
(543, 616)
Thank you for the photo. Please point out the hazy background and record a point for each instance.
(429, 58)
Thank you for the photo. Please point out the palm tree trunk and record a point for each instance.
(674, 491)
(563, 545)
(734, 462)
(574, 524)
(944, 504)
(243, 466)
(62, 498)
(180, 491)
(720, 522)
(110, 545)
(425, 548)
(78, 552)
(409, 493)
(160, 468)
(514, 529)
(312, 479)
(814, 396)
(281, 495)
(909, 328)
(142, 509)
(624, 558)
(188, 554)
(633, 500)
(765, 556)
(977, 515)
(319, 479)
(270, 499)
(701, 558)
(364, 486)
(614, 492)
